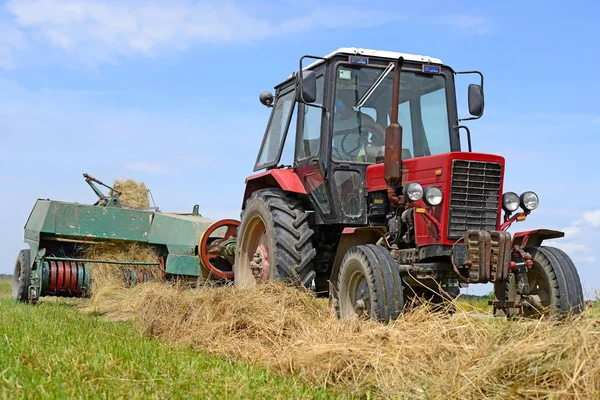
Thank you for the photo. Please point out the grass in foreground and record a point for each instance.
(53, 351)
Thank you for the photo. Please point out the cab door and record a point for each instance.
(309, 159)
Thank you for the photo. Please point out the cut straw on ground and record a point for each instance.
(422, 355)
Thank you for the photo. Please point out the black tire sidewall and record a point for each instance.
(21, 292)
(561, 277)
(380, 271)
(354, 262)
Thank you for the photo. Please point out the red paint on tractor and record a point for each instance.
(285, 179)
(535, 237)
(423, 170)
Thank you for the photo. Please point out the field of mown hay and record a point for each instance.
(422, 355)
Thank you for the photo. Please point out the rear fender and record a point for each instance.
(535, 237)
(353, 237)
(284, 179)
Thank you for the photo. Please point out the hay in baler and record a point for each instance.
(107, 276)
(117, 275)
(133, 194)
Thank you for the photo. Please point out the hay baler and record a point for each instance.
(187, 246)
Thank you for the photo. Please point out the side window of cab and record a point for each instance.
(277, 130)
(307, 144)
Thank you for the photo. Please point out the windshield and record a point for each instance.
(359, 136)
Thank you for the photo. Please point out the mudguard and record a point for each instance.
(285, 179)
(535, 237)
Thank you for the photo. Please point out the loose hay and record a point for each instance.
(112, 276)
(422, 355)
(133, 194)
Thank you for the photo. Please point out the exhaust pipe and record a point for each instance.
(392, 167)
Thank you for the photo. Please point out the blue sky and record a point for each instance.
(166, 92)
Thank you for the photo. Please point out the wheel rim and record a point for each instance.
(254, 263)
(539, 299)
(357, 299)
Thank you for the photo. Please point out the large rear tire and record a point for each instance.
(274, 241)
(554, 284)
(369, 284)
(21, 277)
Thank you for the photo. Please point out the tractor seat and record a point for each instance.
(375, 152)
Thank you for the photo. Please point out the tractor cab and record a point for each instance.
(338, 108)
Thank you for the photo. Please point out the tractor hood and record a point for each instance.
(471, 184)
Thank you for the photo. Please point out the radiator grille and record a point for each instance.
(474, 197)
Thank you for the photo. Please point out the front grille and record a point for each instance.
(474, 196)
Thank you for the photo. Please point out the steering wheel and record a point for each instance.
(375, 129)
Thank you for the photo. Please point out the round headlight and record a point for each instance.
(433, 195)
(413, 191)
(510, 201)
(529, 201)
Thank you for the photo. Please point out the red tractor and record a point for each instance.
(375, 217)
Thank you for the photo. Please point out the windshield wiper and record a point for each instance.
(374, 86)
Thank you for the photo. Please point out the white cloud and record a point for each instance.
(11, 40)
(592, 218)
(470, 24)
(571, 230)
(146, 166)
(570, 248)
(105, 30)
(579, 241)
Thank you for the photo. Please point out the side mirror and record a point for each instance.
(476, 102)
(266, 99)
(306, 87)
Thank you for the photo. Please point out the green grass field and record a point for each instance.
(53, 351)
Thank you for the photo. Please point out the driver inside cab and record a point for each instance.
(356, 136)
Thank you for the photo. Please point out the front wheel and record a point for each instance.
(554, 285)
(274, 241)
(369, 284)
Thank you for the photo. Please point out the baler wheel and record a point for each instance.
(217, 253)
(555, 287)
(369, 284)
(21, 276)
(274, 241)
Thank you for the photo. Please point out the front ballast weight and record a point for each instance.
(528, 282)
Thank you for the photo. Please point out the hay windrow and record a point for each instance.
(422, 355)
(133, 194)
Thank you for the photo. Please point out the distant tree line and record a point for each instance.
(6, 276)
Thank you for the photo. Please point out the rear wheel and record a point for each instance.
(554, 285)
(369, 284)
(274, 241)
(21, 277)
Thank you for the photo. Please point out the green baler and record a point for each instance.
(186, 245)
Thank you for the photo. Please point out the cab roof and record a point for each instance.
(355, 51)
(383, 54)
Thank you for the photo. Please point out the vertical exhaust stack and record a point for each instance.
(392, 166)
